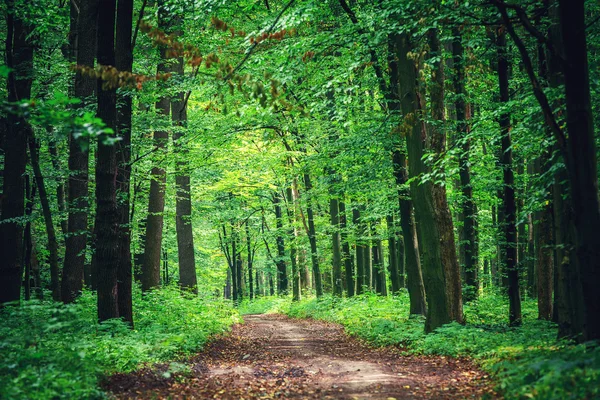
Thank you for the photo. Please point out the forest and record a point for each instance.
(257, 199)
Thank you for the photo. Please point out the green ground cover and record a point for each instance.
(53, 351)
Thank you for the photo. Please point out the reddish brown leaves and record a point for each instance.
(275, 357)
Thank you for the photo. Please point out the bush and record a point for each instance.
(54, 351)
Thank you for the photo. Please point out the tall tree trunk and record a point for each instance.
(312, 237)
(77, 237)
(508, 200)
(250, 261)
(570, 303)
(393, 254)
(432, 214)
(293, 243)
(336, 246)
(360, 249)
(185, 234)
(50, 231)
(543, 248)
(469, 210)
(124, 62)
(581, 159)
(412, 259)
(27, 238)
(107, 222)
(156, 198)
(282, 279)
(348, 259)
(19, 57)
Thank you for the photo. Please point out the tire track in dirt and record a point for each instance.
(272, 356)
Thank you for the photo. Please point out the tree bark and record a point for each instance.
(348, 259)
(393, 254)
(49, 223)
(19, 57)
(412, 259)
(124, 62)
(581, 159)
(312, 237)
(107, 222)
(469, 209)
(185, 233)
(508, 198)
(156, 199)
(77, 237)
(282, 280)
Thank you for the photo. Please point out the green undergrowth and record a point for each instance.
(54, 351)
(527, 362)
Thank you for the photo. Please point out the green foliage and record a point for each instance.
(528, 362)
(50, 350)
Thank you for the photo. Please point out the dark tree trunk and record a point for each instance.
(393, 254)
(432, 214)
(27, 238)
(77, 237)
(581, 160)
(156, 202)
(508, 198)
(348, 259)
(412, 260)
(282, 280)
(312, 238)
(124, 62)
(19, 57)
(360, 250)
(107, 221)
(568, 295)
(336, 246)
(185, 234)
(60, 186)
(250, 262)
(469, 210)
(543, 250)
(50, 231)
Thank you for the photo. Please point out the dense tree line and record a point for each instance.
(303, 147)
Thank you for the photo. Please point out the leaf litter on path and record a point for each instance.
(274, 357)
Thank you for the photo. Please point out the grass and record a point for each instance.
(55, 351)
(526, 362)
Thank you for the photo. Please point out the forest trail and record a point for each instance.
(272, 356)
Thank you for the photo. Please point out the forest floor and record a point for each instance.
(273, 356)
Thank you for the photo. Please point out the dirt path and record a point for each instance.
(272, 356)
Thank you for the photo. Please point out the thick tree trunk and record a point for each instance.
(348, 259)
(107, 222)
(469, 209)
(124, 62)
(508, 198)
(312, 238)
(19, 57)
(412, 259)
(185, 234)
(581, 160)
(77, 237)
(50, 231)
(444, 303)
